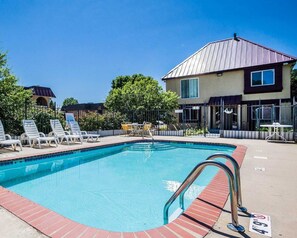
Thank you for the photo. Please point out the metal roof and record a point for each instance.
(41, 91)
(229, 54)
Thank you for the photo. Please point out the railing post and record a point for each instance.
(236, 169)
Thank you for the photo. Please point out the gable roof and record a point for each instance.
(41, 91)
(225, 55)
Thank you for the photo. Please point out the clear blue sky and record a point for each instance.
(77, 47)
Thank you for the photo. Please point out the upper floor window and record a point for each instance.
(262, 78)
(189, 88)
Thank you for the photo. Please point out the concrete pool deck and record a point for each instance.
(271, 192)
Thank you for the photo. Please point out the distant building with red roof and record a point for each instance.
(42, 95)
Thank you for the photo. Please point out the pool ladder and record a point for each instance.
(234, 188)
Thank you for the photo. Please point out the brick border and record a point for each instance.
(196, 221)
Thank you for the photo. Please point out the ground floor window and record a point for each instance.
(191, 114)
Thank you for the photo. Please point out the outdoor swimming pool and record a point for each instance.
(117, 188)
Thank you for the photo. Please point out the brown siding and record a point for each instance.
(277, 87)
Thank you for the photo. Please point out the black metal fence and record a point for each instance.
(13, 115)
(190, 120)
(239, 117)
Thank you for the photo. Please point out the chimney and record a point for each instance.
(235, 37)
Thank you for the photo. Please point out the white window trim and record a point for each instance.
(180, 86)
(262, 78)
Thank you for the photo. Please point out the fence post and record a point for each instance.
(55, 109)
(204, 119)
(113, 123)
(222, 117)
(295, 122)
(98, 129)
(158, 122)
(26, 108)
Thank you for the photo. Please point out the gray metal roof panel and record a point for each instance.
(227, 55)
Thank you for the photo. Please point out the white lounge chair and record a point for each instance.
(62, 135)
(75, 130)
(5, 139)
(33, 135)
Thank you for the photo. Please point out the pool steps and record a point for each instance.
(150, 146)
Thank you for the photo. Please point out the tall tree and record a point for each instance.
(12, 97)
(69, 101)
(139, 92)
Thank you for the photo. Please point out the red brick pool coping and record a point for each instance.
(196, 221)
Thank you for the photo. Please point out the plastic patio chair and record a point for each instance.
(75, 130)
(33, 135)
(5, 139)
(62, 135)
(127, 127)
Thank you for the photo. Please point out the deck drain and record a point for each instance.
(260, 169)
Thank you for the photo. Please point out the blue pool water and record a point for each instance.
(117, 188)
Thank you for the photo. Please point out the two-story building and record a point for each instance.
(235, 81)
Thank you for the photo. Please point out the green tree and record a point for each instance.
(138, 92)
(12, 98)
(69, 101)
(120, 81)
(294, 82)
(52, 105)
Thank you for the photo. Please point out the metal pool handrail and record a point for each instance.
(236, 177)
(192, 177)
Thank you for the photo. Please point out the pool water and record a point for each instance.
(117, 188)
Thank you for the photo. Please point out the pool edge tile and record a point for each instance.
(174, 229)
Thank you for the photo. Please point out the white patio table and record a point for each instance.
(278, 130)
(137, 129)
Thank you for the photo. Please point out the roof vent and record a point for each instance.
(235, 37)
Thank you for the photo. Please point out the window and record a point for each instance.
(262, 112)
(190, 114)
(262, 78)
(189, 88)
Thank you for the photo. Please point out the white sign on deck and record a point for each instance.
(260, 224)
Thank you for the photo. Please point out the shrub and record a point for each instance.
(42, 119)
(108, 121)
(91, 122)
